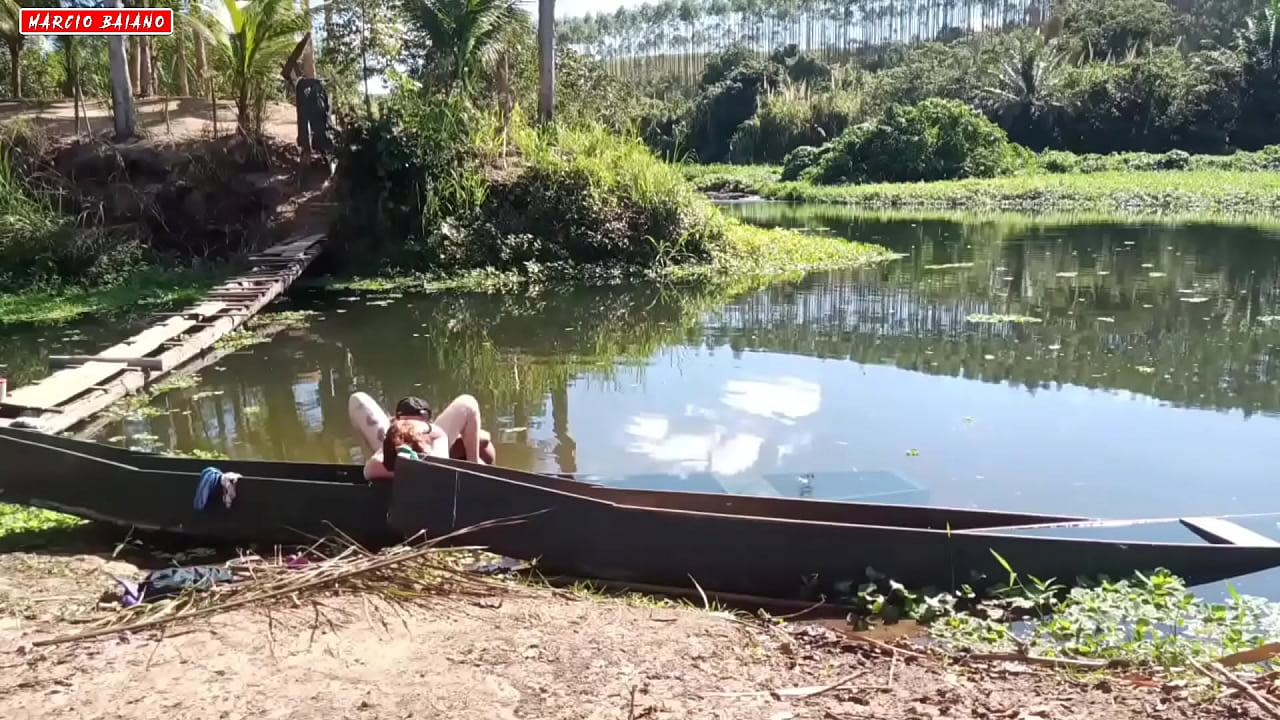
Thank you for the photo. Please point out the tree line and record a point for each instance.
(671, 40)
(243, 55)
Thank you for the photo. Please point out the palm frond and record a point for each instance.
(463, 35)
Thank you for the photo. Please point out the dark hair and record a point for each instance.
(399, 434)
(413, 407)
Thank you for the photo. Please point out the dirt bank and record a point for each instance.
(534, 654)
(180, 194)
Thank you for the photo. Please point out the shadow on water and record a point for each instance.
(25, 351)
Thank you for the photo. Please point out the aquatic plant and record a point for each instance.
(1116, 193)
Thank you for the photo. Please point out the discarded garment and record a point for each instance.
(173, 581)
(211, 480)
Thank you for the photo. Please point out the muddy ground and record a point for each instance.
(528, 653)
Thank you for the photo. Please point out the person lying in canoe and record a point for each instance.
(454, 433)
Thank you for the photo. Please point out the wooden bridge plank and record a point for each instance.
(194, 345)
(66, 384)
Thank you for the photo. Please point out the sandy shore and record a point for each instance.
(529, 653)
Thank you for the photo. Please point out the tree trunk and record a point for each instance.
(546, 61)
(144, 66)
(135, 44)
(308, 61)
(180, 59)
(73, 71)
(201, 60)
(244, 120)
(121, 90)
(15, 66)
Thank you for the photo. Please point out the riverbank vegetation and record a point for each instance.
(441, 177)
(944, 154)
(1115, 195)
(733, 83)
(441, 187)
(840, 93)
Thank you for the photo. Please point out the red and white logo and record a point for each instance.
(96, 21)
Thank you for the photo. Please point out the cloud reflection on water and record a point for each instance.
(727, 440)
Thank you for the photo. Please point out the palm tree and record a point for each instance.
(546, 61)
(260, 37)
(1261, 35)
(464, 34)
(14, 40)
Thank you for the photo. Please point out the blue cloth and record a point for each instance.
(210, 480)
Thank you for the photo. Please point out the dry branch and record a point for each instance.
(1220, 674)
(399, 575)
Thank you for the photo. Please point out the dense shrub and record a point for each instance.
(789, 119)
(798, 161)
(427, 187)
(401, 173)
(587, 196)
(935, 140)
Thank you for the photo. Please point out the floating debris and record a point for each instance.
(1069, 274)
(1196, 299)
(1106, 319)
(1156, 274)
(994, 319)
(949, 266)
(1145, 370)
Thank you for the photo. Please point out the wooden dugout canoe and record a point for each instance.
(765, 546)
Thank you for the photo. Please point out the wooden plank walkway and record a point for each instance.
(89, 384)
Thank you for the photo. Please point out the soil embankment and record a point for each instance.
(532, 653)
(188, 190)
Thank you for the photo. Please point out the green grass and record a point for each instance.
(738, 251)
(147, 290)
(1177, 191)
(16, 519)
(766, 254)
(22, 213)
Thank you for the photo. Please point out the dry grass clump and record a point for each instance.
(419, 575)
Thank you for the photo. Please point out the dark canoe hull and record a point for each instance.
(351, 475)
(940, 518)
(106, 484)
(579, 535)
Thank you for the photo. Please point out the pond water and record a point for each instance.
(1146, 387)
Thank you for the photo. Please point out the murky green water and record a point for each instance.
(1147, 388)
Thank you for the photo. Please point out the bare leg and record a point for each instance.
(374, 470)
(460, 420)
(488, 455)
